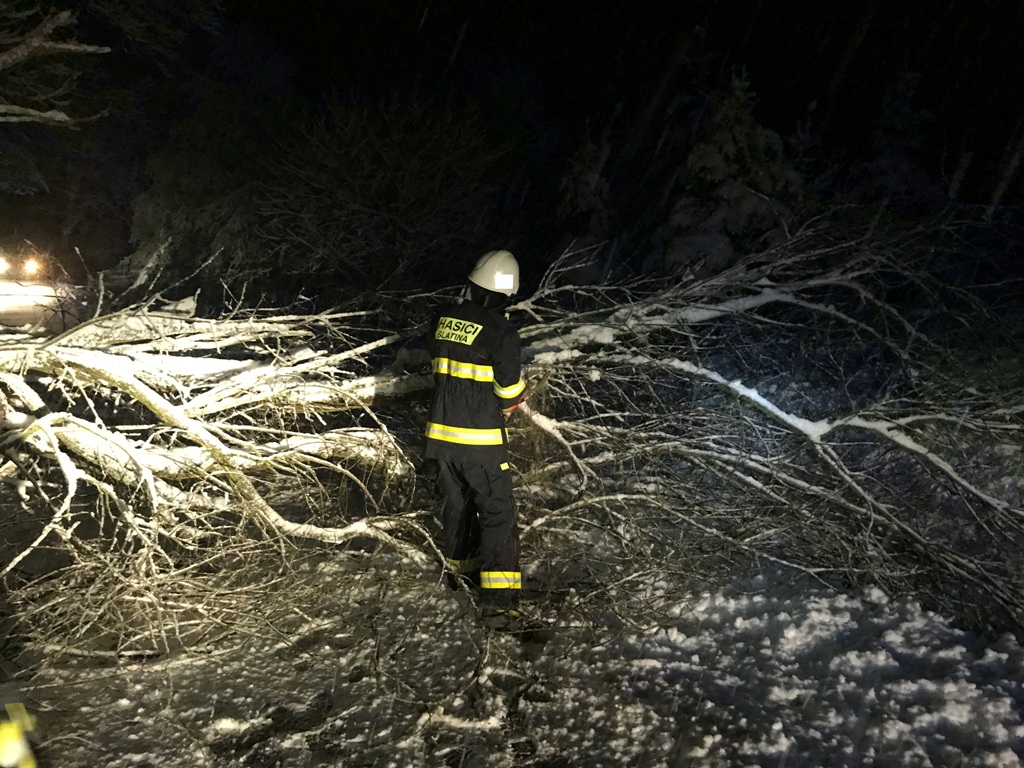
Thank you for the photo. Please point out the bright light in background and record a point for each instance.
(28, 295)
(17, 299)
(23, 264)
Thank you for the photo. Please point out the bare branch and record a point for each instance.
(39, 42)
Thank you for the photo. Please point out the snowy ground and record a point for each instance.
(400, 674)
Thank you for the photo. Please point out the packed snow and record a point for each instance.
(767, 671)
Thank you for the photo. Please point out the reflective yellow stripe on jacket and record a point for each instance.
(462, 370)
(507, 393)
(464, 435)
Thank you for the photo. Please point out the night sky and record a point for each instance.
(932, 84)
(577, 62)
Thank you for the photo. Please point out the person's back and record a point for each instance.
(475, 353)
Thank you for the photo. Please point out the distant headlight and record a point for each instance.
(31, 268)
(26, 265)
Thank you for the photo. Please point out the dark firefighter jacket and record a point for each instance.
(478, 379)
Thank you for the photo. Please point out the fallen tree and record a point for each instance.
(156, 430)
(179, 478)
(784, 412)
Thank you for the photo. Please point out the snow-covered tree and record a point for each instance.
(39, 65)
(179, 477)
(316, 207)
(38, 52)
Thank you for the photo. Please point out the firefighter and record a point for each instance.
(478, 384)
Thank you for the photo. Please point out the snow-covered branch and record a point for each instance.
(789, 411)
(39, 42)
(787, 408)
(199, 439)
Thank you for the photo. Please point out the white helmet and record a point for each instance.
(496, 271)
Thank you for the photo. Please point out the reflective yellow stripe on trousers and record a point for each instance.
(464, 435)
(501, 580)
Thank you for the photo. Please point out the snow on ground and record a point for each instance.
(400, 674)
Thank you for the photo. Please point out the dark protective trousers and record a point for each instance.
(480, 528)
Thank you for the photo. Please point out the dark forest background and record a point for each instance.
(262, 152)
